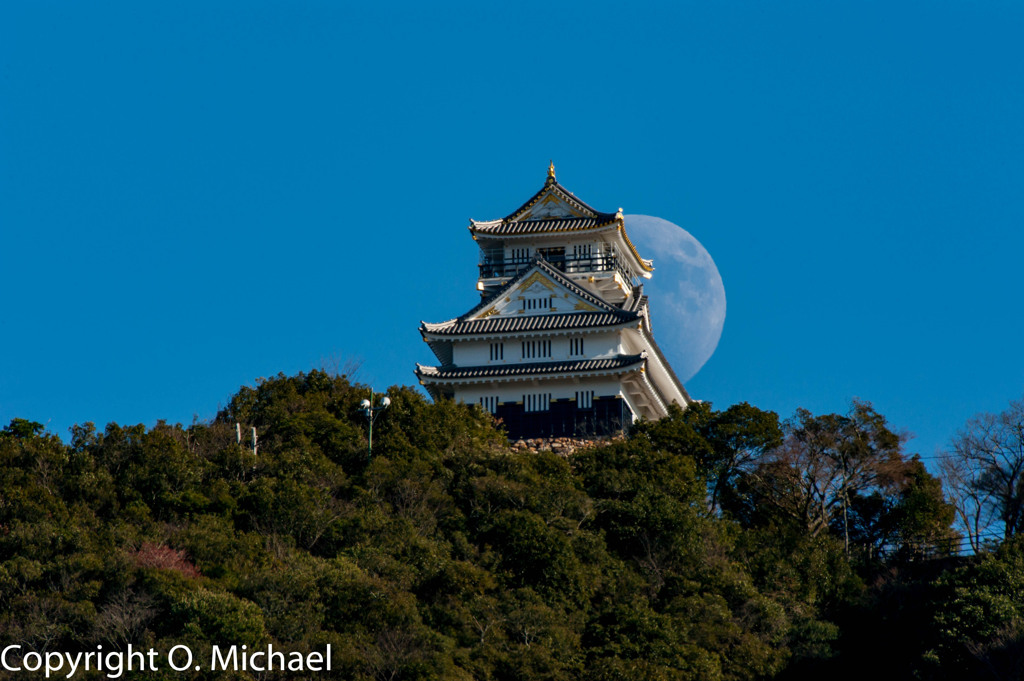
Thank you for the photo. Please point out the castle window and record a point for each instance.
(584, 399)
(538, 303)
(582, 250)
(537, 402)
(497, 351)
(490, 403)
(576, 346)
(535, 349)
(554, 255)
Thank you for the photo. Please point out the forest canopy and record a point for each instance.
(707, 545)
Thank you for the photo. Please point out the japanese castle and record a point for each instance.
(560, 344)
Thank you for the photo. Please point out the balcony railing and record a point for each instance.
(570, 264)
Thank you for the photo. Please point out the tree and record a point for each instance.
(984, 472)
(824, 462)
(906, 520)
(739, 437)
(723, 443)
(978, 618)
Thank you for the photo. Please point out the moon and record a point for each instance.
(685, 291)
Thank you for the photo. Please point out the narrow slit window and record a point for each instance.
(584, 399)
(534, 349)
(537, 402)
(545, 303)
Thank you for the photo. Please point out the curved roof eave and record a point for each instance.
(499, 229)
(663, 361)
(529, 371)
(525, 325)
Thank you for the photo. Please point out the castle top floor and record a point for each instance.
(588, 245)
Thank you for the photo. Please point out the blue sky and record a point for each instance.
(196, 194)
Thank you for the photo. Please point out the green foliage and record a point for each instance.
(979, 617)
(722, 443)
(445, 555)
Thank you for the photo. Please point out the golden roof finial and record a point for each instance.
(551, 170)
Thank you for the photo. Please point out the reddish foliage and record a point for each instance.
(162, 557)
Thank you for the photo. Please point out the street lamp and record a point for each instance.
(371, 412)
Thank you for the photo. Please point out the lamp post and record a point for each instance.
(371, 412)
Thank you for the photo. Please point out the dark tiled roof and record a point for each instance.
(510, 225)
(567, 195)
(520, 323)
(531, 369)
(506, 228)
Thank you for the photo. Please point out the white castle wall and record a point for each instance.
(559, 389)
(595, 345)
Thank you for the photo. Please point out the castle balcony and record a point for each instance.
(504, 268)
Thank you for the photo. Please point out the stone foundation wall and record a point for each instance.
(565, 446)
